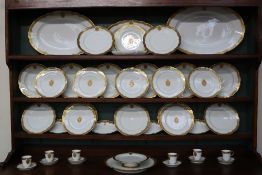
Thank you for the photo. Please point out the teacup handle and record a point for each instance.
(232, 153)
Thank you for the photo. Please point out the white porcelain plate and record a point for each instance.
(38, 119)
(114, 27)
(204, 82)
(130, 158)
(199, 127)
(222, 119)
(132, 83)
(56, 33)
(230, 78)
(149, 69)
(154, 128)
(90, 83)
(96, 40)
(176, 119)
(162, 40)
(58, 127)
(26, 80)
(104, 127)
(168, 82)
(186, 69)
(208, 30)
(79, 119)
(132, 120)
(111, 71)
(70, 71)
(51, 82)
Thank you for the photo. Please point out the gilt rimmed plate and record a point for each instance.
(222, 119)
(104, 127)
(154, 128)
(58, 127)
(132, 120)
(70, 71)
(111, 71)
(177, 119)
(161, 40)
(56, 33)
(26, 80)
(168, 82)
(90, 83)
(51, 82)
(149, 69)
(230, 78)
(96, 40)
(208, 30)
(199, 127)
(114, 27)
(38, 119)
(132, 83)
(79, 119)
(129, 39)
(204, 82)
(186, 69)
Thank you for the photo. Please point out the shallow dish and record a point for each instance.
(56, 33)
(130, 159)
(208, 30)
(199, 127)
(104, 127)
(58, 128)
(154, 128)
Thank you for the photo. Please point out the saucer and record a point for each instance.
(76, 162)
(221, 161)
(45, 162)
(191, 158)
(22, 168)
(166, 162)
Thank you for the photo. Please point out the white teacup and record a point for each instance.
(227, 154)
(49, 155)
(197, 154)
(26, 161)
(172, 158)
(76, 153)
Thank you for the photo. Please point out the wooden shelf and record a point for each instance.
(119, 137)
(131, 100)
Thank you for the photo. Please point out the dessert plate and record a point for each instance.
(38, 119)
(132, 120)
(162, 40)
(149, 69)
(56, 33)
(110, 71)
(90, 83)
(222, 119)
(176, 119)
(199, 127)
(204, 82)
(168, 82)
(70, 71)
(58, 128)
(230, 78)
(51, 82)
(208, 30)
(96, 40)
(26, 80)
(79, 119)
(104, 127)
(132, 83)
(154, 128)
(186, 69)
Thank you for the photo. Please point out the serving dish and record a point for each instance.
(104, 127)
(58, 127)
(130, 159)
(154, 128)
(199, 127)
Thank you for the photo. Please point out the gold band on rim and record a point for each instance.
(137, 22)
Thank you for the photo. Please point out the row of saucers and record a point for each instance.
(144, 80)
(130, 120)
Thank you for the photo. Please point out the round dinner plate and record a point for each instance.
(79, 119)
(177, 119)
(222, 119)
(230, 77)
(56, 33)
(26, 80)
(168, 82)
(38, 119)
(132, 83)
(96, 40)
(70, 71)
(132, 120)
(204, 82)
(162, 40)
(208, 30)
(110, 71)
(149, 69)
(186, 69)
(51, 82)
(90, 83)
